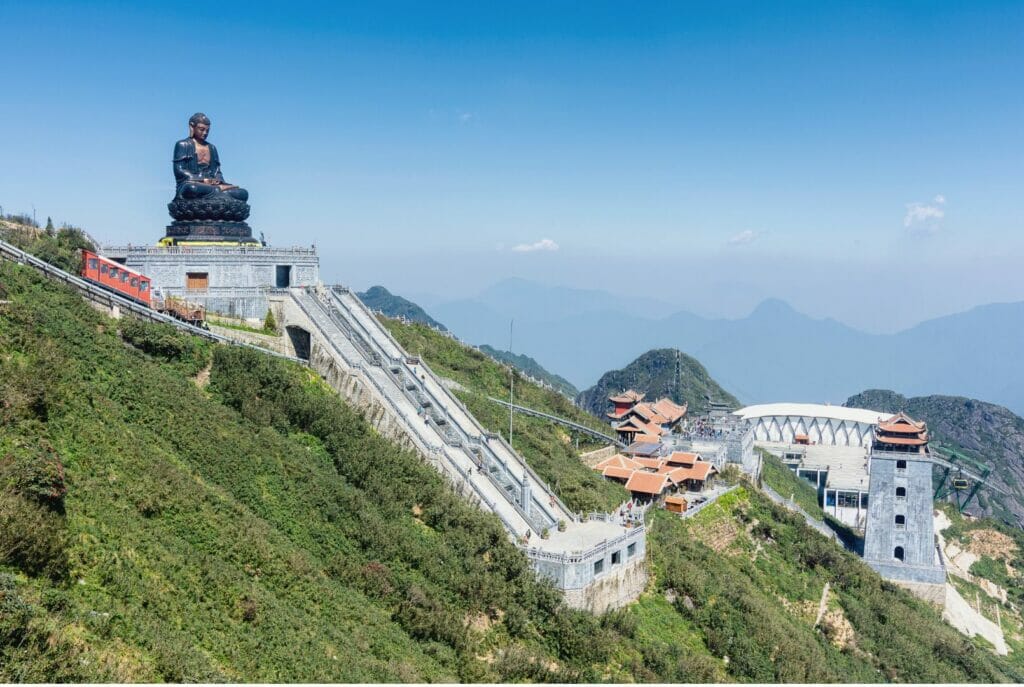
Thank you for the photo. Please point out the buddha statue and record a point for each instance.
(205, 207)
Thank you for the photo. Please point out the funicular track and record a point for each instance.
(108, 299)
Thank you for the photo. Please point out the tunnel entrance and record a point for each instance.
(300, 341)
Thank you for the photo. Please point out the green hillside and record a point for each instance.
(664, 372)
(531, 367)
(984, 432)
(255, 528)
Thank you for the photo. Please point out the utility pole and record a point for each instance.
(511, 381)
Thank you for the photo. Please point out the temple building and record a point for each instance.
(621, 403)
(651, 477)
(635, 420)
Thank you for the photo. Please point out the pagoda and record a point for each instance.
(901, 434)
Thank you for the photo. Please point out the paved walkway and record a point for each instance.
(819, 525)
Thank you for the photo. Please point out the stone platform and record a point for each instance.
(226, 279)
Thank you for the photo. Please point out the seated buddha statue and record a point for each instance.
(197, 166)
(205, 207)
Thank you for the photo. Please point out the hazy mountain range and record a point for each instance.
(773, 354)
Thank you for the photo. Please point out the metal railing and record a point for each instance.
(587, 554)
(448, 399)
(386, 396)
(589, 431)
(207, 250)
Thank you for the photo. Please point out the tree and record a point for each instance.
(50, 229)
(270, 322)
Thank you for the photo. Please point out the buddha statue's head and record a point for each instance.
(199, 126)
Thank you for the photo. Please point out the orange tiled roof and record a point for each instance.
(618, 473)
(631, 425)
(643, 410)
(627, 397)
(647, 483)
(684, 458)
(646, 439)
(902, 441)
(676, 500)
(699, 471)
(651, 463)
(899, 428)
(669, 409)
(702, 470)
(619, 461)
(904, 420)
(636, 425)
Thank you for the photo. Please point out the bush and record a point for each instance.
(163, 341)
(32, 537)
(36, 472)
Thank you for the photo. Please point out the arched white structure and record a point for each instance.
(823, 424)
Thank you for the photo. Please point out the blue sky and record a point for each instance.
(829, 154)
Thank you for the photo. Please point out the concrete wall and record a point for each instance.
(238, 277)
(614, 590)
(615, 586)
(917, 536)
(592, 458)
(273, 343)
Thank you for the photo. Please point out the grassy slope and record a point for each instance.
(261, 531)
(548, 448)
(786, 482)
(755, 600)
(1006, 571)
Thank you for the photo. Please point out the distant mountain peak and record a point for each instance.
(660, 372)
(773, 307)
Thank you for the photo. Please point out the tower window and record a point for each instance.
(901, 521)
(901, 465)
(898, 553)
(901, 492)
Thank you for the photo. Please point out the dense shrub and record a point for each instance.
(163, 341)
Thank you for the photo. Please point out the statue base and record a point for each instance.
(209, 231)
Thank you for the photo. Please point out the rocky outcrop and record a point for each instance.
(985, 432)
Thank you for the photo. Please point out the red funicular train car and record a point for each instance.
(117, 277)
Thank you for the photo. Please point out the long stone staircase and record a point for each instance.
(595, 559)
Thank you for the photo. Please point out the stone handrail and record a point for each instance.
(387, 398)
(473, 421)
(583, 556)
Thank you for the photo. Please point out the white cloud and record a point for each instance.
(744, 237)
(543, 244)
(924, 218)
(466, 117)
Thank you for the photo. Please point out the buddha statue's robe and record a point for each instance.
(188, 171)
